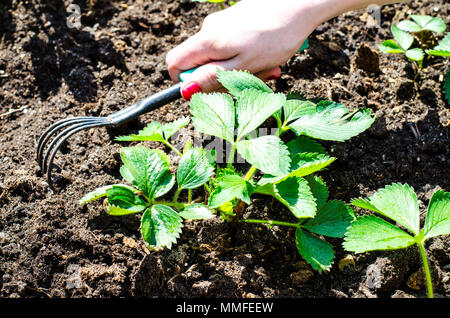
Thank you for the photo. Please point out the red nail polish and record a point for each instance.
(190, 90)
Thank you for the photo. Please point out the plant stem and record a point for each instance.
(173, 148)
(177, 205)
(279, 126)
(270, 222)
(426, 268)
(231, 156)
(175, 196)
(189, 196)
(207, 188)
(283, 129)
(250, 173)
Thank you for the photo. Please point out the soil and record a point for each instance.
(50, 246)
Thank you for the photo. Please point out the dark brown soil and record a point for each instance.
(52, 247)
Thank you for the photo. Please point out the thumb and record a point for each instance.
(204, 78)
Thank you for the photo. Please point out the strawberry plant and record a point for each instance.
(399, 203)
(419, 31)
(443, 49)
(222, 190)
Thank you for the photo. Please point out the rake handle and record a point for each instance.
(146, 105)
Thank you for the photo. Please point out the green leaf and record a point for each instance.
(101, 192)
(332, 219)
(304, 144)
(165, 184)
(370, 233)
(365, 204)
(253, 107)
(409, 26)
(438, 53)
(125, 199)
(399, 203)
(429, 23)
(390, 46)
(152, 132)
(403, 38)
(305, 163)
(228, 188)
(318, 253)
(213, 114)
(296, 195)
(295, 108)
(126, 174)
(237, 81)
(332, 121)
(194, 169)
(437, 221)
(171, 128)
(267, 153)
(302, 164)
(442, 49)
(415, 54)
(196, 212)
(149, 168)
(160, 226)
(319, 190)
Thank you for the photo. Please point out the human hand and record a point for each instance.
(253, 35)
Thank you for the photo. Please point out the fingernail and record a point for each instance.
(190, 90)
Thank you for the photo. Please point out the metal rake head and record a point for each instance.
(54, 136)
(63, 129)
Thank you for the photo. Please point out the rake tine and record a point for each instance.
(63, 136)
(52, 130)
(85, 122)
(69, 132)
(60, 133)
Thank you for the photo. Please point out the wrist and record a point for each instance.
(324, 10)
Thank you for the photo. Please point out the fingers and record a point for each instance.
(195, 51)
(268, 75)
(204, 79)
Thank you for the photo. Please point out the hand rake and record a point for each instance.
(63, 129)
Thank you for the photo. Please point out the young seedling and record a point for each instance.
(399, 203)
(287, 168)
(442, 49)
(407, 32)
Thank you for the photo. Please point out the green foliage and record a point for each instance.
(423, 23)
(332, 121)
(194, 169)
(287, 168)
(408, 32)
(160, 226)
(442, 48)
(398, 203)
